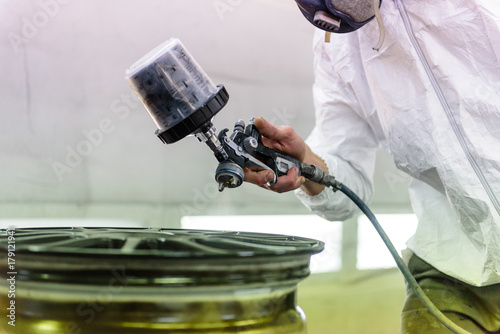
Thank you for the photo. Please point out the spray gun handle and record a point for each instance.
(279, 161)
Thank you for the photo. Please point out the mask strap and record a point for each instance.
(381, 27)
(327, 36)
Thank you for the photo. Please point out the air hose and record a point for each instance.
(336, 185)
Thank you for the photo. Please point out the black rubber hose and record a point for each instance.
(399, 261)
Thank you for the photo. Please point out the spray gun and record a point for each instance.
(182, 100)
(244, 148)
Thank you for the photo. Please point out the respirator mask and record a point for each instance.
(342, 16)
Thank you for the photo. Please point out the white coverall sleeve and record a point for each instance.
(342, 137)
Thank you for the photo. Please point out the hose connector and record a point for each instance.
(316, 174)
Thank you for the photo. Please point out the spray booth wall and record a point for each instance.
(76, 144)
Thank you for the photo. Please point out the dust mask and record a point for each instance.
(341, 16)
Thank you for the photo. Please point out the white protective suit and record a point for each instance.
(431, 97)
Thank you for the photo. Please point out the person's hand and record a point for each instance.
(285, 139)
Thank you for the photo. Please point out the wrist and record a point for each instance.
(309, 156)
(309, 187)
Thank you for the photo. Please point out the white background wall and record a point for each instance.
(73, 144)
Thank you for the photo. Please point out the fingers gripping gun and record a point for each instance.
(244, 148)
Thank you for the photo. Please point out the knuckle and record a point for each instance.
(287, 130)
(284, 184)
(281, 191)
